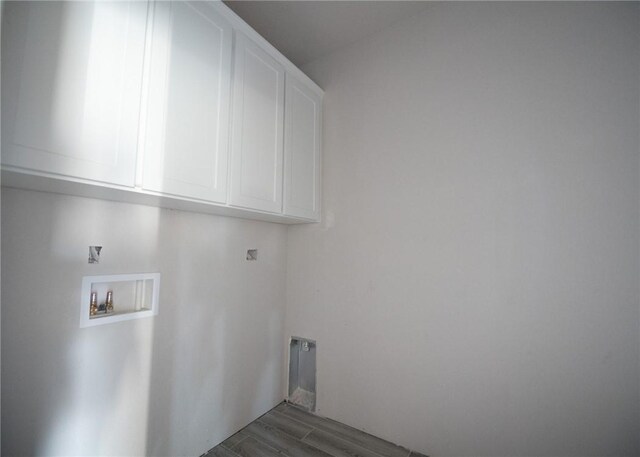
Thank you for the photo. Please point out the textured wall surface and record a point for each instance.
(175, 384)
(473, 288)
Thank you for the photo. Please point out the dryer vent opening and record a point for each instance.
(302, 373)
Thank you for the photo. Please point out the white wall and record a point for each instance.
(176, 384)
(474, 286)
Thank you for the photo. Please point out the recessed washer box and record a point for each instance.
(135, 296)
(302, 373)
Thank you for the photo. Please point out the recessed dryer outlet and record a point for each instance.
(302, 373)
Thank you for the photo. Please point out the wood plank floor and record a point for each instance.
(287, 431)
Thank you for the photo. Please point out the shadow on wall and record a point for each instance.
(66, 389)
(210, 344)
(175, 384)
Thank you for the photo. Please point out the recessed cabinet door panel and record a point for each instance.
(71, 85)
(257, 138)
(302, 151)
(189, 83)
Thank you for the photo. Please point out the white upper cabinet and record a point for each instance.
(71, 85)
(186, 114)
(302, 132)
(172, 103)
(257, 128)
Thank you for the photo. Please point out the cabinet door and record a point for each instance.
(302, 131)
(187, 111)
(71, 84)
(257, 138)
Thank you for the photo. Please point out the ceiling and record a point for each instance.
(306, 30)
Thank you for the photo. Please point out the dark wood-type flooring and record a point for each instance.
(287, 431)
